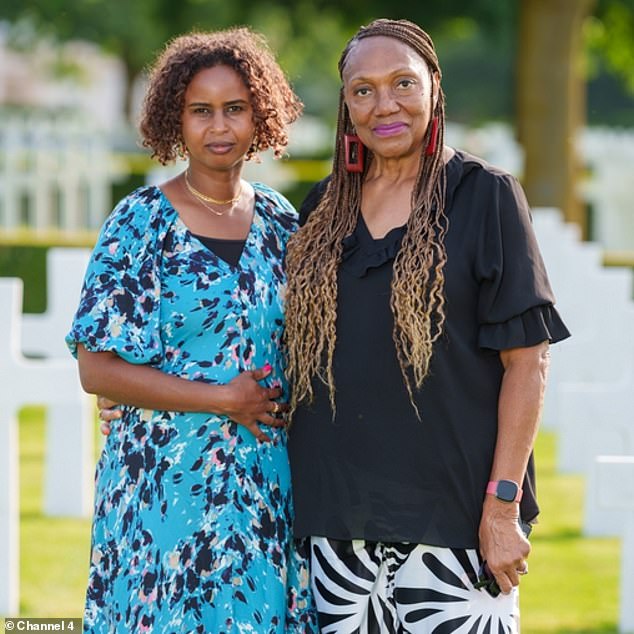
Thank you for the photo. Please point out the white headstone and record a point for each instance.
(596, 305)
(602, 518)
(609, 156)
(614, 491)
(596, 419)
(43, 334)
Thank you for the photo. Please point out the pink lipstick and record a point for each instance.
(389, 129)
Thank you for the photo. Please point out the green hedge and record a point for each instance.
(29, 264)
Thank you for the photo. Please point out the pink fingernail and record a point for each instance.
(267, 367)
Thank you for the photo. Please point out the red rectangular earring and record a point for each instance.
(433, 137)
(353, 149)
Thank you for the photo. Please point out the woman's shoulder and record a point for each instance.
(474, 181)
(139, 203)
(468, 166)
(274, 196)
(136, 213)
(276, 203)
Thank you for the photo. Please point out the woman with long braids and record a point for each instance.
(418, 319)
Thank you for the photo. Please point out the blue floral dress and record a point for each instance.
(192, 522)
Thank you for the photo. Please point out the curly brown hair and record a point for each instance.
(274, 103)
(314, 252)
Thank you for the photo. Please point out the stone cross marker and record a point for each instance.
(68, 471)
(22, 382)
(614, 489)
(43, 334)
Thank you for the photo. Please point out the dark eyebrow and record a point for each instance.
(205, 104)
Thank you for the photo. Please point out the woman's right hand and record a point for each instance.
(109, 410)
(243, 400)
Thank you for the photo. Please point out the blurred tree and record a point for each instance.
(305, 35)
(477, 39)
(609, 36)
(551, 101)
(518, 59)
(610, 39)
(126, 29)
(561, 42)
(308, 35)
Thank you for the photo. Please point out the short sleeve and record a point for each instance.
(120, 299)
(515, 303)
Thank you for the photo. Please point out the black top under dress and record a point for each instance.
(376, 472)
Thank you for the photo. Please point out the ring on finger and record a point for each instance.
(276, 408)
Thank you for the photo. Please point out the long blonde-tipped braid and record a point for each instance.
(417, 298)
(314, 255)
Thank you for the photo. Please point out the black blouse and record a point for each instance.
(375, 471)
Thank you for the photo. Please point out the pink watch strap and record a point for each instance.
(492, 488)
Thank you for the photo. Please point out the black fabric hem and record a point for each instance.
(537, 324)
(400, 538)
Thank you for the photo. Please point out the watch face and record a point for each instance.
(507, 490)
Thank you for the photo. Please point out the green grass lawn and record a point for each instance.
(53, 551)
(572, 587)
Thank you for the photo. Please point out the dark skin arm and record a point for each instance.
(502, 542)
(243, 399)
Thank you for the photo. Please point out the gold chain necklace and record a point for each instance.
(209, 199)
(213, 211)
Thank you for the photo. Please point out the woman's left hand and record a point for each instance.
(503, 545)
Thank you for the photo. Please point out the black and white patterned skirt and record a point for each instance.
(394, 588)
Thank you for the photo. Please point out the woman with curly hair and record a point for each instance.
(180, 320)
(418, 320)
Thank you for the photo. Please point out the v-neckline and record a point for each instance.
(370, 240)
(194, 240)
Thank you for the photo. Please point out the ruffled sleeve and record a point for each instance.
(515, 303)
(540, 323)
(120, 299)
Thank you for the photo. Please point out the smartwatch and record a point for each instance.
(505, 490)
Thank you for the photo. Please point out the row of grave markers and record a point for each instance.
(50, 380)
(589, 400)
(590, 395)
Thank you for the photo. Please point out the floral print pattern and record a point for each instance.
(192, 522)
